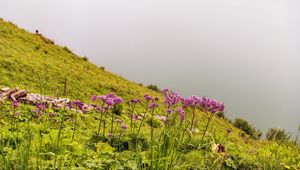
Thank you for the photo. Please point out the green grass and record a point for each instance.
(35, 63)
(23, 60)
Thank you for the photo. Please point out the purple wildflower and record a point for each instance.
(171, 98)
(124, 126)
(211, 105)
(181, 113)
(102, 98)
(94, 98)
(135, 101)
(153, 105)
(110, 135)
(191, 101)
(118, 100)
(205, 103)
(147, 97)
(110, 102)
(16, 104)
(165, 91)
(41, 106)
(119, 120)
(79, 104)
(110, 95)
(99, 109)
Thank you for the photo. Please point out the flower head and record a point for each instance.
(94, 98)
(171, 98)
(123, 126)
(40, 107)
(99, 109)
(211, 105)
(191, 101)
(118, 100)
(78, 104)
(205, 103)
(147, 97)
(102, 98)
(153, 105)
(135, 101)
(110, 102)
(16, 104)
(119, 120)
(181, 113)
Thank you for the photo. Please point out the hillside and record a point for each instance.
(28, 59)
(39, 140)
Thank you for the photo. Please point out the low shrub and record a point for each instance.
(85, 58)
(277, 134)
(153, 87)
(67, 49)
(247, 128)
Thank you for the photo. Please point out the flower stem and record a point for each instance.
(100, 122)
(152, 129)
(74, 126)
(193, 117)
(207, 124)
(142, 121)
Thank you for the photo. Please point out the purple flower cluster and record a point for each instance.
(191, 101)
(212, 105)
(148, 97)
(171, 98)
(181, 113)
(205, 103)
(94, 98)
(40, 107)
(109, 99)
(153, 105)
(135, 101)
(122, 124)
(153, 100)
(16, 104)
(78, 104)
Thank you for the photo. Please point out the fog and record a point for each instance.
(244, 53)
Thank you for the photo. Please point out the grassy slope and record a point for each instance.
(24, 57)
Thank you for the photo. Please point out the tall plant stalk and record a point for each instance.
(100, 122)
(207, 124)
(193, 117)
(143, 119)
(74, 125)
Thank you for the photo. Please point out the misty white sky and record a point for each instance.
(245, 53)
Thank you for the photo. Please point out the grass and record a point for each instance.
(28, 141)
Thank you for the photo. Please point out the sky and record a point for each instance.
(244, 53)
